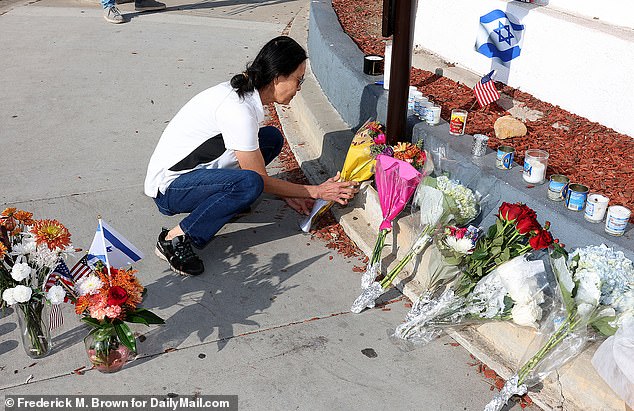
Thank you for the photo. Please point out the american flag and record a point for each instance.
(485, 91)
(68, 277)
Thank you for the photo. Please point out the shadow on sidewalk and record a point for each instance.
(247, 5)
(236, 287)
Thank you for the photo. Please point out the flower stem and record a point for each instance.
(414, 250)
(378, 247)
(568, 326)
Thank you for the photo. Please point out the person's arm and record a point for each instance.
(330, 190)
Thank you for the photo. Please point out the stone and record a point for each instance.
(507, 127)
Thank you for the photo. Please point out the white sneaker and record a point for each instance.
(112, 15)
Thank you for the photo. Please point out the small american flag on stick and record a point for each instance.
(485, 91)
(67, 279)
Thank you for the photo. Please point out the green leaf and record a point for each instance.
(91, 322)
(497, 250)
(492, 231)
(603, 326)
(125, 335)
(499, 226)
(479, 255)
(506, 254)
(143, 316)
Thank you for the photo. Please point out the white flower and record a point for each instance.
(43, 257)
(589, 288)
(519, 277)
(20, 271)
(26, 247)
(7, 295)
(526, 314)
(56, 294)
(88, 285)
(462, 246)
(22, 293)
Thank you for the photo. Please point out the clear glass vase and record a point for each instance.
(33, 319)
(105, 350)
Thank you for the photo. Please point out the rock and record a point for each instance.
(507, 127)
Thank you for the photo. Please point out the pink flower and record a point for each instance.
(380, 139)
(112, 311)
(97, 313)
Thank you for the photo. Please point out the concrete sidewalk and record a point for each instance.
(83, 103)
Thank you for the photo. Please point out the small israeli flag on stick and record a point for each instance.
(111, 248)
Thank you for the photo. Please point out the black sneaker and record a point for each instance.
(148, 5)
(179, 254)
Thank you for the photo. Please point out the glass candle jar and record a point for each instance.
(535, 163)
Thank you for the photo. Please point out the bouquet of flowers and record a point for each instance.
(476, 286)
(396, 181)
(30, 250)
(513, 291)
(441, 201)
(515, 232)
(596, 287)
(107, 300)
(368, 142)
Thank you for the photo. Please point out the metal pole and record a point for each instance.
(402, 42)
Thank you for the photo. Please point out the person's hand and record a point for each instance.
(338, 191)
(301, 205)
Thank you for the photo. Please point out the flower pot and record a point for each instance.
(105, 350)
(33, 319)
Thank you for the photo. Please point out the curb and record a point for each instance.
(319, 138)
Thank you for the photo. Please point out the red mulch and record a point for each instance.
(326, 228)
(587, 152)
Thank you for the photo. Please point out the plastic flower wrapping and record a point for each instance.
(595, 285)
(368, 142)
(30, 250)
(518, 290)
(396, 181)
(487, 281)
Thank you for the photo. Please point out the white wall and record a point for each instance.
(582, 64)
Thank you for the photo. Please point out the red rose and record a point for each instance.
(117, 295)
(525, 225)
(542, 240)
(510, 212)
(526, 211)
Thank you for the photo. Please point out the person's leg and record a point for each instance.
(271, 142)
(211, 197)
(111, 12)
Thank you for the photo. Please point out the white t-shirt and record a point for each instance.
(188, 142)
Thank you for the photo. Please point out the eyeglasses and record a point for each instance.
(300, 81)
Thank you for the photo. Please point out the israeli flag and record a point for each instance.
(499, 37)
(111, 248)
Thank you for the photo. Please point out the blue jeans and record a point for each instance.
(212, 197)
(106, 4)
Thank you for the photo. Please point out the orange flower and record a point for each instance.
(9, 211)
(81, 304)
(52, 233)
(8, 219)
(24, 217)
(3, 250)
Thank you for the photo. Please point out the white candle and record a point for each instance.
(534, 171)
(596, 207)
